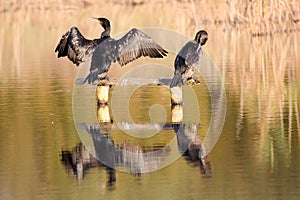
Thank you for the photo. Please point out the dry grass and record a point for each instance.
(260, 17)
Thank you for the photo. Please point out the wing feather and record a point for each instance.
(136, 44)
(75, 46)
(192, 56)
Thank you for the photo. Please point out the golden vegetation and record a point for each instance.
(260, 17)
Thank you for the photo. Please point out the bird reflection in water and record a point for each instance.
(128, 156)
(79, 160)
(189, 143)
(191, 147)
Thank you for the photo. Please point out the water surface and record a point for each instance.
(256, 157)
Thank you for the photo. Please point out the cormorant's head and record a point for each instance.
(201, 37)
(103, 22)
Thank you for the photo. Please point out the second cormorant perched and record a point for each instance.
(188, 59)
(106, 50)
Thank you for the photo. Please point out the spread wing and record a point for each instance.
(136, 44)
(75, 46)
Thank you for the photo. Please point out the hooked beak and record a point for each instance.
(203, 40)
(96, 19)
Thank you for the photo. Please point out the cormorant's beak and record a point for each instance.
(203, 40)
(96, 19)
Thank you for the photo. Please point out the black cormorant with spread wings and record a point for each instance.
(188, 59)
(106, 50)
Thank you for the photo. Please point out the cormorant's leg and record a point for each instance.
(196, 80)
(103, 76)
(189, 76)
(91, 77)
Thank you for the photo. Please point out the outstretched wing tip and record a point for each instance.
(136, 44)
(73, 45)
(164, 52)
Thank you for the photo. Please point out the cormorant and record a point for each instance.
(106, 50)
(188, 59)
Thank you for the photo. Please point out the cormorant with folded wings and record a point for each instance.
(188, 59)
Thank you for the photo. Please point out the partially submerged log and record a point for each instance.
(176, 95)
(103, 116)
(102, 94)
(103, 113)
(177, 113)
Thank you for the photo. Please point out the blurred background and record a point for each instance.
(254, 45)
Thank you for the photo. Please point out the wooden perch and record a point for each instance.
(103, 87)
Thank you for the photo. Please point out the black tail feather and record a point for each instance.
(91, 78)
(95, 76)
(176, 80)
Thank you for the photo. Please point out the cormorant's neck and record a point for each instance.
(199, 48)
(197, 41)
(106, 32)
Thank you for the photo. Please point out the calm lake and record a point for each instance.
(43, 130)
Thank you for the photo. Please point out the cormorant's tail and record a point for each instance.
(176, 80)
(95, 76)
(92, 77)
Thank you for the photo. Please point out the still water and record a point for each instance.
(257, 155)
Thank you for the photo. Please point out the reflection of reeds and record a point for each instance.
(264, 78)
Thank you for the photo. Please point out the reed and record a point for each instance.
(261, 17)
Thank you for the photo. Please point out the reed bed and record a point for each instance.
(260, 17)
